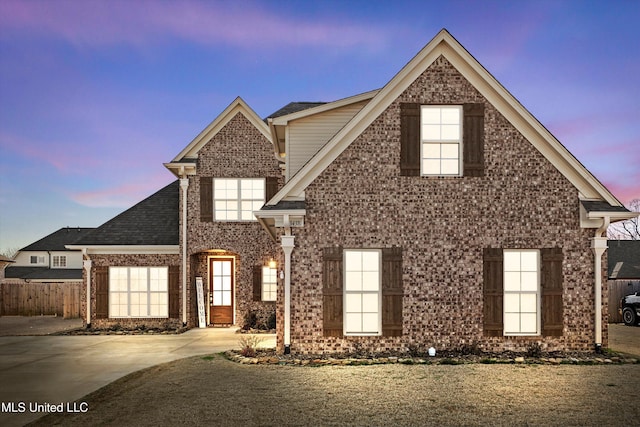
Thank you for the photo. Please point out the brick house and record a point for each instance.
(435, 211)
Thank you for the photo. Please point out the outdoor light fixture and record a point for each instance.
(272, 263)
(432, 351)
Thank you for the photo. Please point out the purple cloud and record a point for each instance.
(122, 195)
(142, 23)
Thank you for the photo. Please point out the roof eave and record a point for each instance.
(127, 249)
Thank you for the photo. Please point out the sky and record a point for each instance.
(96, 95)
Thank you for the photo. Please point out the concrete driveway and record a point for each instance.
(61, 369)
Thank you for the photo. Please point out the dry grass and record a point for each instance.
(214, 391)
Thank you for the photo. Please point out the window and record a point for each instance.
(138, 292)
(236, 199)
(521, 292)
(362, 277)
(441, 136)
(59, 260)
(269, 283)
(34, 259)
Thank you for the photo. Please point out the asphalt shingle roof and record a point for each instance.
(597, 206)
(57, 240)
(626, 252)
(294, 107)
(42, 273)
(153, 221)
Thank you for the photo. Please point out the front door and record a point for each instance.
(221, 297)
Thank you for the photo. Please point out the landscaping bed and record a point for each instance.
(270, 357)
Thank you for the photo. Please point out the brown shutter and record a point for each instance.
(271, 187)
(206, 199)
(174, 291)
(473, 140)
(409, 139)
(332, 292)
(392, 292)
(102, 292)
(551, 283)
(493, 292)
(257, 282)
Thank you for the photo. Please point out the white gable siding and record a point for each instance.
(74, 258)
(45, 259)
(307, 135)
(23, 259)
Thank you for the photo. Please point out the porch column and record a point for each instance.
(86, 264)
(287, 247)
(184, 185)
(599, 246)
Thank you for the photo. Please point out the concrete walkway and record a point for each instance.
(61, 369)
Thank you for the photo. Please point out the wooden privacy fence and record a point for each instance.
(40, 299)
(618, 289)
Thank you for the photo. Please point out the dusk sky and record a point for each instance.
(96, 95)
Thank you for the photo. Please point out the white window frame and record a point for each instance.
(126, 293)
(269, 289)
(442, 141)
(225, 196)
(59, 260)
(521, 283)
(351, 275)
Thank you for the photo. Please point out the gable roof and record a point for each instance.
(57, 240)
(444, 44)
(238, 106)
(153, 221)
(624, 259)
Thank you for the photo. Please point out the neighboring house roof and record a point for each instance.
(5, 259)
(153, 221)
(40, 273)
(624, 259)
(57, 240)
(445, 45)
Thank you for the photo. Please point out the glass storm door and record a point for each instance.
(221, 297)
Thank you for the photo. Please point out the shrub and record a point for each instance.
(249, 345)
(471, 349)
(250, 321)
(534, 350)
(271, 321)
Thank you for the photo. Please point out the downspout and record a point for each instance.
(184, 185)
(599, 246)
(287, 242)
(86, 264)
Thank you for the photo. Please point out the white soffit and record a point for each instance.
(444, 44)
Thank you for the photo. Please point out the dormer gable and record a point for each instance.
(299, 134)
(185, 162)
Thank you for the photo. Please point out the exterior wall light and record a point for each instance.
(272, 263)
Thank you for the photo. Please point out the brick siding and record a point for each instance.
(238, 150)
(443, 224)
